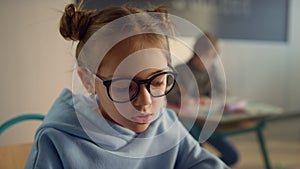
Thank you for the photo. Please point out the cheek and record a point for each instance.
(157, 103)
(108, 106)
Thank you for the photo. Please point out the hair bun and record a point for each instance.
(74, 22)
(70, 10)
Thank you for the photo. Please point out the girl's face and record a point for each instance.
(142, 64)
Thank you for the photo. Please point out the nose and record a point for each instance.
(143, 98)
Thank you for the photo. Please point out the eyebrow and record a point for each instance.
(121, 76)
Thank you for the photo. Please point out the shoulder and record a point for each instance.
(65, 98)
(51, 147)
(62, 117)
(44, 150)
(62, 109)
(63, 103)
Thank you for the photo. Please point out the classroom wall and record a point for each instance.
(266, 71)
(263, 71)
(294, 54)
(35, 62)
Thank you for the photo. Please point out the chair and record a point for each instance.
(20, 118)
(15, 156)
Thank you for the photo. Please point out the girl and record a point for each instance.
(123, 123)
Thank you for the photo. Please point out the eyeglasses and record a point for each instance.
(123, 90)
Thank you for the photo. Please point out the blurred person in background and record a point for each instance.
(207, 47)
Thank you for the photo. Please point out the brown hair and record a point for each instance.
(204, 43)
(79, 25)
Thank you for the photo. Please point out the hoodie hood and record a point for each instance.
(79, 116)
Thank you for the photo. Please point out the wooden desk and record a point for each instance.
(14, 156)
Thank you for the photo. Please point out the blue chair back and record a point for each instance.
(19, 119)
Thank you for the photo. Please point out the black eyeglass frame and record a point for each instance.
(107, 84)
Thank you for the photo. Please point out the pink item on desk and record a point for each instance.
(235, 107)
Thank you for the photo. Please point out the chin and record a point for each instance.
(140, 128)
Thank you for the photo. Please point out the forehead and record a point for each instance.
(132, 56)
(137, 43)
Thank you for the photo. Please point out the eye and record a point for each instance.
(123, 86)
(159, 81)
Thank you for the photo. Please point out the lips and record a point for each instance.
(142, 119)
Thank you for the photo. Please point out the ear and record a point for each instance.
(87, 79)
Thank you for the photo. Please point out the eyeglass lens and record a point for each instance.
(122, 90)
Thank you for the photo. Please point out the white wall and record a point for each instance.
(294, 57)
(256, 70)
(266, 71)
(35, 62)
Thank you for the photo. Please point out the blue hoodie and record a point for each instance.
(74, 135)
